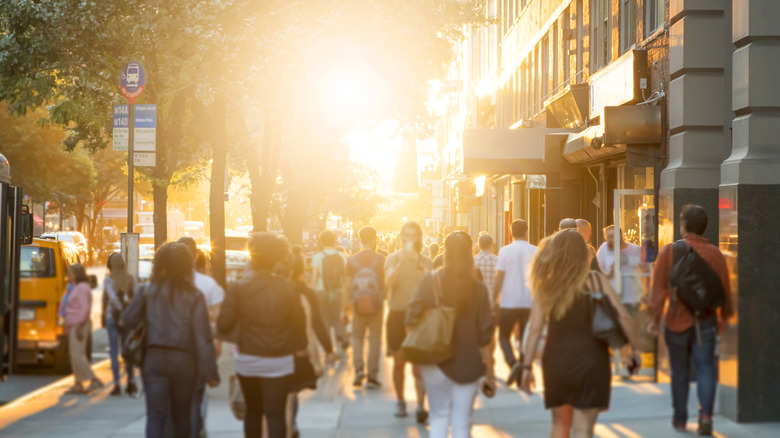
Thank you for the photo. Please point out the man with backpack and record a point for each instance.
(328, 280)
(365, 274)
(692, 275)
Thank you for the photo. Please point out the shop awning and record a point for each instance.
(506, 151)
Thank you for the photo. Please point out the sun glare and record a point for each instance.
(376, 147)
(344, 86)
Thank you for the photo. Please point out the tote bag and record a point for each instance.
(429, 342)
(605, 323)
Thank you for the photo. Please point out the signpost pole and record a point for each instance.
(130, 170)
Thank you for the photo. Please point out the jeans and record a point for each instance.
(508, 319)
(451, 403)
(170, 377)
(114, 337)
(683, 347)
(265, 397)
(372, 323)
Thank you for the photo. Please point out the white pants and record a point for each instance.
(451, 403)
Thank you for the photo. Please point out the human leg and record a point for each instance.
(158, 393)
(274, 398)
(399, 368)
(183, 378)
(679, 346)
(706, 366)
(506, 324)
(462, 408)
(522, 316)
(113, 349)
(359, 327)
(439, 389)
(374, 345)
(82, 372)
(252, 389)
(419, 390)
(583, 422)
(561, 421)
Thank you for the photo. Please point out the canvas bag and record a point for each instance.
(429, 341)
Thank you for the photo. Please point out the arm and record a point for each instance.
(532, 343)
(315, 271)
(134, 313)
(498, 284)
(203, 342)
(626, 322)
(113, 300)
(392, 270)
(486, 329)
(228, 312)
(659, 289)
(297, 317)
(727, 310)
(316, 320)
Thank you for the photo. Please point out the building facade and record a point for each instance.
(621, 112)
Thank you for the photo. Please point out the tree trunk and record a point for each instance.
(259, 218)
(160, 215)
(217, 192)
(263, 185)
(293, 219)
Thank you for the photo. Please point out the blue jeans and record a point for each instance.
(170, 378)
(114, 336)
(683, 347)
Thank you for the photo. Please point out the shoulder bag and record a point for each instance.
(429, 341)
(134, 339)
(605, 323)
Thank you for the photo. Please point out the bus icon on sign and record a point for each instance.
(133, 74)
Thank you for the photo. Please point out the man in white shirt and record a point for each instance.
(512, 294)
(632, 290)
(328, 281)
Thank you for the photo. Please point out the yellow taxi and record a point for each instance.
(43, 271)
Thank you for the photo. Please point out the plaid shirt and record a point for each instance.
(677, 318)
(486, 263)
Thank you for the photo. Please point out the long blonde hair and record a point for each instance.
(559, 272)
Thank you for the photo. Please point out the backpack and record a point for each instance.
(365, 291)
(332, 273)
(694, 283)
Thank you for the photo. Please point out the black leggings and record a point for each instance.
(265, 397)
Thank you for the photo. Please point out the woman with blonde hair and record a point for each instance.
(575, 364)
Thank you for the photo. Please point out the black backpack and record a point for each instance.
(694, 283)
(332, 272)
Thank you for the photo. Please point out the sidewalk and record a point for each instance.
(338, 410)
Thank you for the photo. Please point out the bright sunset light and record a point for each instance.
(376, 147)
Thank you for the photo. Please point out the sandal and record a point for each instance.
(94, 385)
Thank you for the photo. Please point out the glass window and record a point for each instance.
(37, 262)
(628, 10)
(600, 32)
(654, 16)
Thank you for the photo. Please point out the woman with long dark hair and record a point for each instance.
(266, 310)
(452, 385)
(179, 347)
(76, 307)
(118, 288)
(575, 364)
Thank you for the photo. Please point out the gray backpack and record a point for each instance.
(366, 291)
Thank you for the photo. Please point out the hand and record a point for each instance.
(80, 332)
(722, 325)
(213, 383)
(302, 353)
(489, 387)
(652, 328)
(527, 382)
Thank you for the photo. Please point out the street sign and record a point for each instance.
(121, 132)
(145, 130)
(132, 81)
(144, 159)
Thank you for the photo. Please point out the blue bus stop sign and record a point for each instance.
(132, 81)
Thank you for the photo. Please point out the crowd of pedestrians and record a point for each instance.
(281, 318)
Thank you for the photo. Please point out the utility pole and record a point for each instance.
(130, 169)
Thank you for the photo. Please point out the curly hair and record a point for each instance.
(266, 250)
(173, 264)
(559, 271)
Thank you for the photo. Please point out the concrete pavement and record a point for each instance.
(338, 410)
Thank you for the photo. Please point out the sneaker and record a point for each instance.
(132, 389)
(117, 391)
(358, 382)
(400, 410)
(679, 427)
(373, 383)
(705, 425)
(514, 374)
(422, 415)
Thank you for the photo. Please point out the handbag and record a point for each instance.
(304, 376)
(134, 339)
(236, 398)
(605, 323)
(429, 341)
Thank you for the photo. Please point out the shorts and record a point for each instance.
(396, 330)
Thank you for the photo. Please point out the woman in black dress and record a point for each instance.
(575, 365)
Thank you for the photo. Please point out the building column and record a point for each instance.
(699, 111)
(749, 192)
